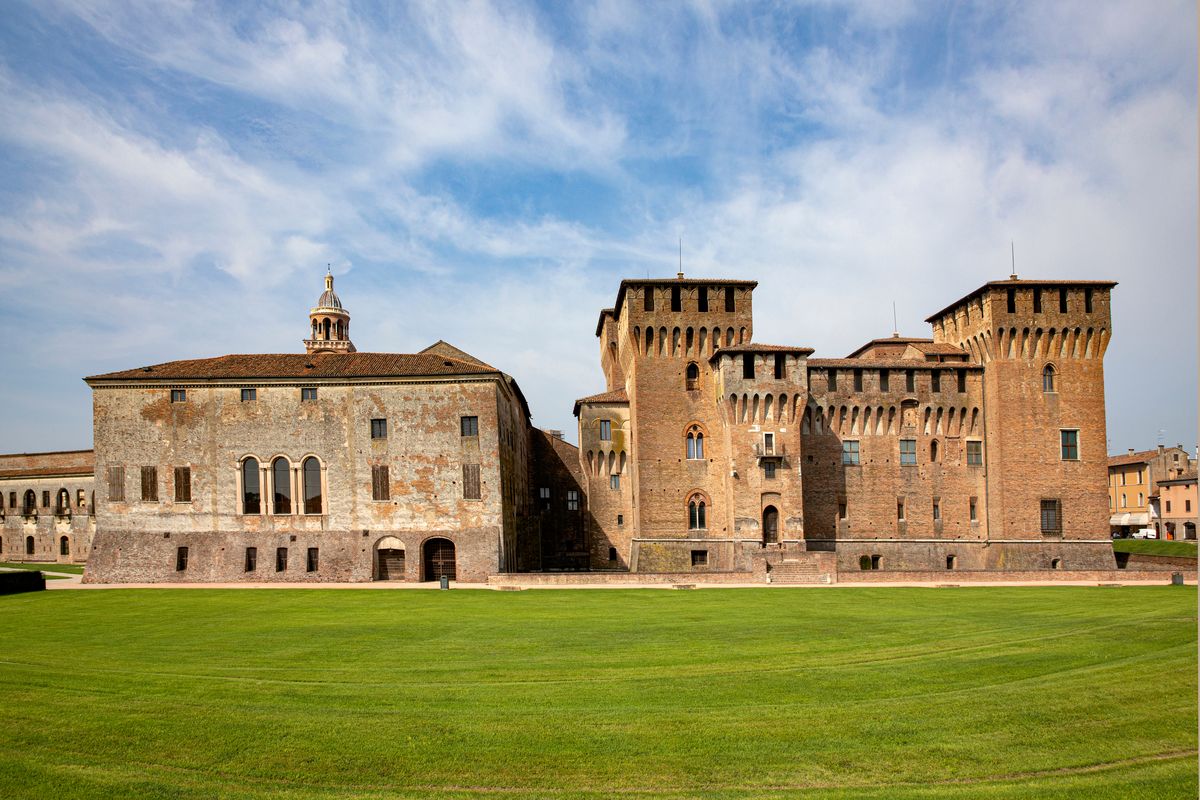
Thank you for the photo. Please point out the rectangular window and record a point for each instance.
(676, 300)
(648, 298)
(614, 481)
(12, 496)
(178, 395)
(381, 486)
(1012, 301)
(768, 443)
(1069, 440)
(469, 426)
(471, 488)
(729, 298)
(962, 381)
(572, 499)
(181, 559)
(883, 380)
(937, 510)
(858, 383)
(1139, 476)
(935, 380)
(908, 452)
(183, 484)
(1051, 517)
(832, 381)
(850, 453)
(1062, 301)
(842, 512)
(748, 366)
(1087, 300)
(699, 558)
(1187, 506)
(116, 484)
(45, 498)
(769, 470)
(1123, 503)
(620, 519)
(1168, 506)
(313, 559)
(974, 454)
(280, 559)
(379, 429)
(605, 430)
(780, 363)
(150, 484)
(251, 559)
(1124, 478)
(308, 394)
(249, 395)
(974, 513)
(900, 509)
(1037, 301)
(544, 497)
(910, 380)
(1141, 501)
(702, 300)
(79, 495)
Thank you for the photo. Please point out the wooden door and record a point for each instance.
(391, 565)
(770, 525)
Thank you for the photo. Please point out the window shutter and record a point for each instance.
(116, 484)
(149, 483)
(380, 489)
(471, 482)
(183, 484)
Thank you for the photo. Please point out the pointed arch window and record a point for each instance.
(695, 443)
(1048, 379)
(696, 514)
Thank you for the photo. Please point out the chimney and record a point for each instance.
(1160, 449)
(555, 434)
(1131, 451)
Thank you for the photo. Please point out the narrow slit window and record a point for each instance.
(251, 559)
(313, 559)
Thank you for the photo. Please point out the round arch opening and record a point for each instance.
(438, 560)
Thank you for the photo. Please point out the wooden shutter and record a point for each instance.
(116, 484)
(471, 482)
(149, 483)
(183, 484)
(380, 484)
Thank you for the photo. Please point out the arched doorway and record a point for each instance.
(439, 560)
(770, 525)
(389, 559)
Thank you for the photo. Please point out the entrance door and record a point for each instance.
(770, 525)
(439, 560)
(391, 565)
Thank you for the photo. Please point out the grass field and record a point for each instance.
(1055, 692)
(74, 569)
(1155, 547)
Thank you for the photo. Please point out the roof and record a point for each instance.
(46, 472)
(600, 322)
(1140, 457)
(615, 396)
(673, 282)
(443, 348)
(939, 348)
(1015, 284)
(760, 348)
(301, 366)
(1188, 477)
(891, 363)
(887, 341)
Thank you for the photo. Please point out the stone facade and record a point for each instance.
(46, 507)
(981, 448)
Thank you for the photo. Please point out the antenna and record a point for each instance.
(681, 258)
(1012, 245)
(895, 323)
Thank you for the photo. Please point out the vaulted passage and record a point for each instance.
(389, 559)
(439, 560)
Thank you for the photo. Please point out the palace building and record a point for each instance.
(979, 448)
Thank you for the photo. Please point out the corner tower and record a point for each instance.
(329, 323)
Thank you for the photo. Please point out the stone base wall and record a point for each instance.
(976, 555)
(618, 578)
(47, 530)
(1142, 561)
(342, 556)
(953, 576)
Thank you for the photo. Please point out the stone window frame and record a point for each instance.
(699, 558)
(249, 394)
(379, 428)
(1064, 446)
(605, 427)
(697, 505)
(308, 394)
(179, 395)
(323, 497)
(694, 436)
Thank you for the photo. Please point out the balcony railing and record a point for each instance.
(777, 450)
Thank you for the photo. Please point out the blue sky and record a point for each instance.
(176, 175)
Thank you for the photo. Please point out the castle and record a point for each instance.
(981, 448)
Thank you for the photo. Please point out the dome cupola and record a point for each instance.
(329, 323)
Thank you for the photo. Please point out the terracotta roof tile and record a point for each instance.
(891, 363)
(615, 396)
(300, 366)
(46, 472)
(1140, 457)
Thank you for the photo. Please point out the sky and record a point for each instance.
(175, 177)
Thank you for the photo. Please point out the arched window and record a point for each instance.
(281, 480)
(28, 545)
(695, 443)
(693, 377)
(312, 486)
(933, 451)
(62, 503)
(696, 513)
(64, 546)
(325, 328)
(251, 491)
(1048, 379)
(30, 501)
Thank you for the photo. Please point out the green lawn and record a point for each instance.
(1155, 547)
(1057, 692)
(74, 569)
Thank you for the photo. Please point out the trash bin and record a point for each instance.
(1177, 579)
(445, 581)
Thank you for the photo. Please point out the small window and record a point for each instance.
(381, 485)
(178, 395)
(46, 498)
(116, 485)
(900, 509)
(183, 484)
(1048, 379)
(858, 381)
(249, 395)
(313, 562)
(648, 298)
(935, 380)
(850, 453)
(614, 482)
(937, 510)
(1123, 503)
(693, 377)
(620, 519)
(281, 558)
(962, 381)
(974, 513)
(1087, 301)
(832, 381)
(605, 430)
(1141, 501)
(469, 426)
(1056, 563)
(933, 451)
(28, 545)
(544, 497)
(149, 484)
(842, 512)
(676, 300)
(308, 394)
(699, 558)
(729, 298)
(1012, 301)
(471, 487)
(864, 563)
(1168, 506)
(748, 366)
(1062, 301)
(875, 562)
(1037, 301)
(1187, 506)
(1069, 440)
(181, 559)
(702, 299)
(612, 554)
(951, 562)
(768, 443)
(1051, 517)
(769, 470)
(79, 498)
(908, 452)
(572, 499)
(379, 429)
(780, 365)
(251, 559)
(910, 380)
(883, 380)
(64, 546)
